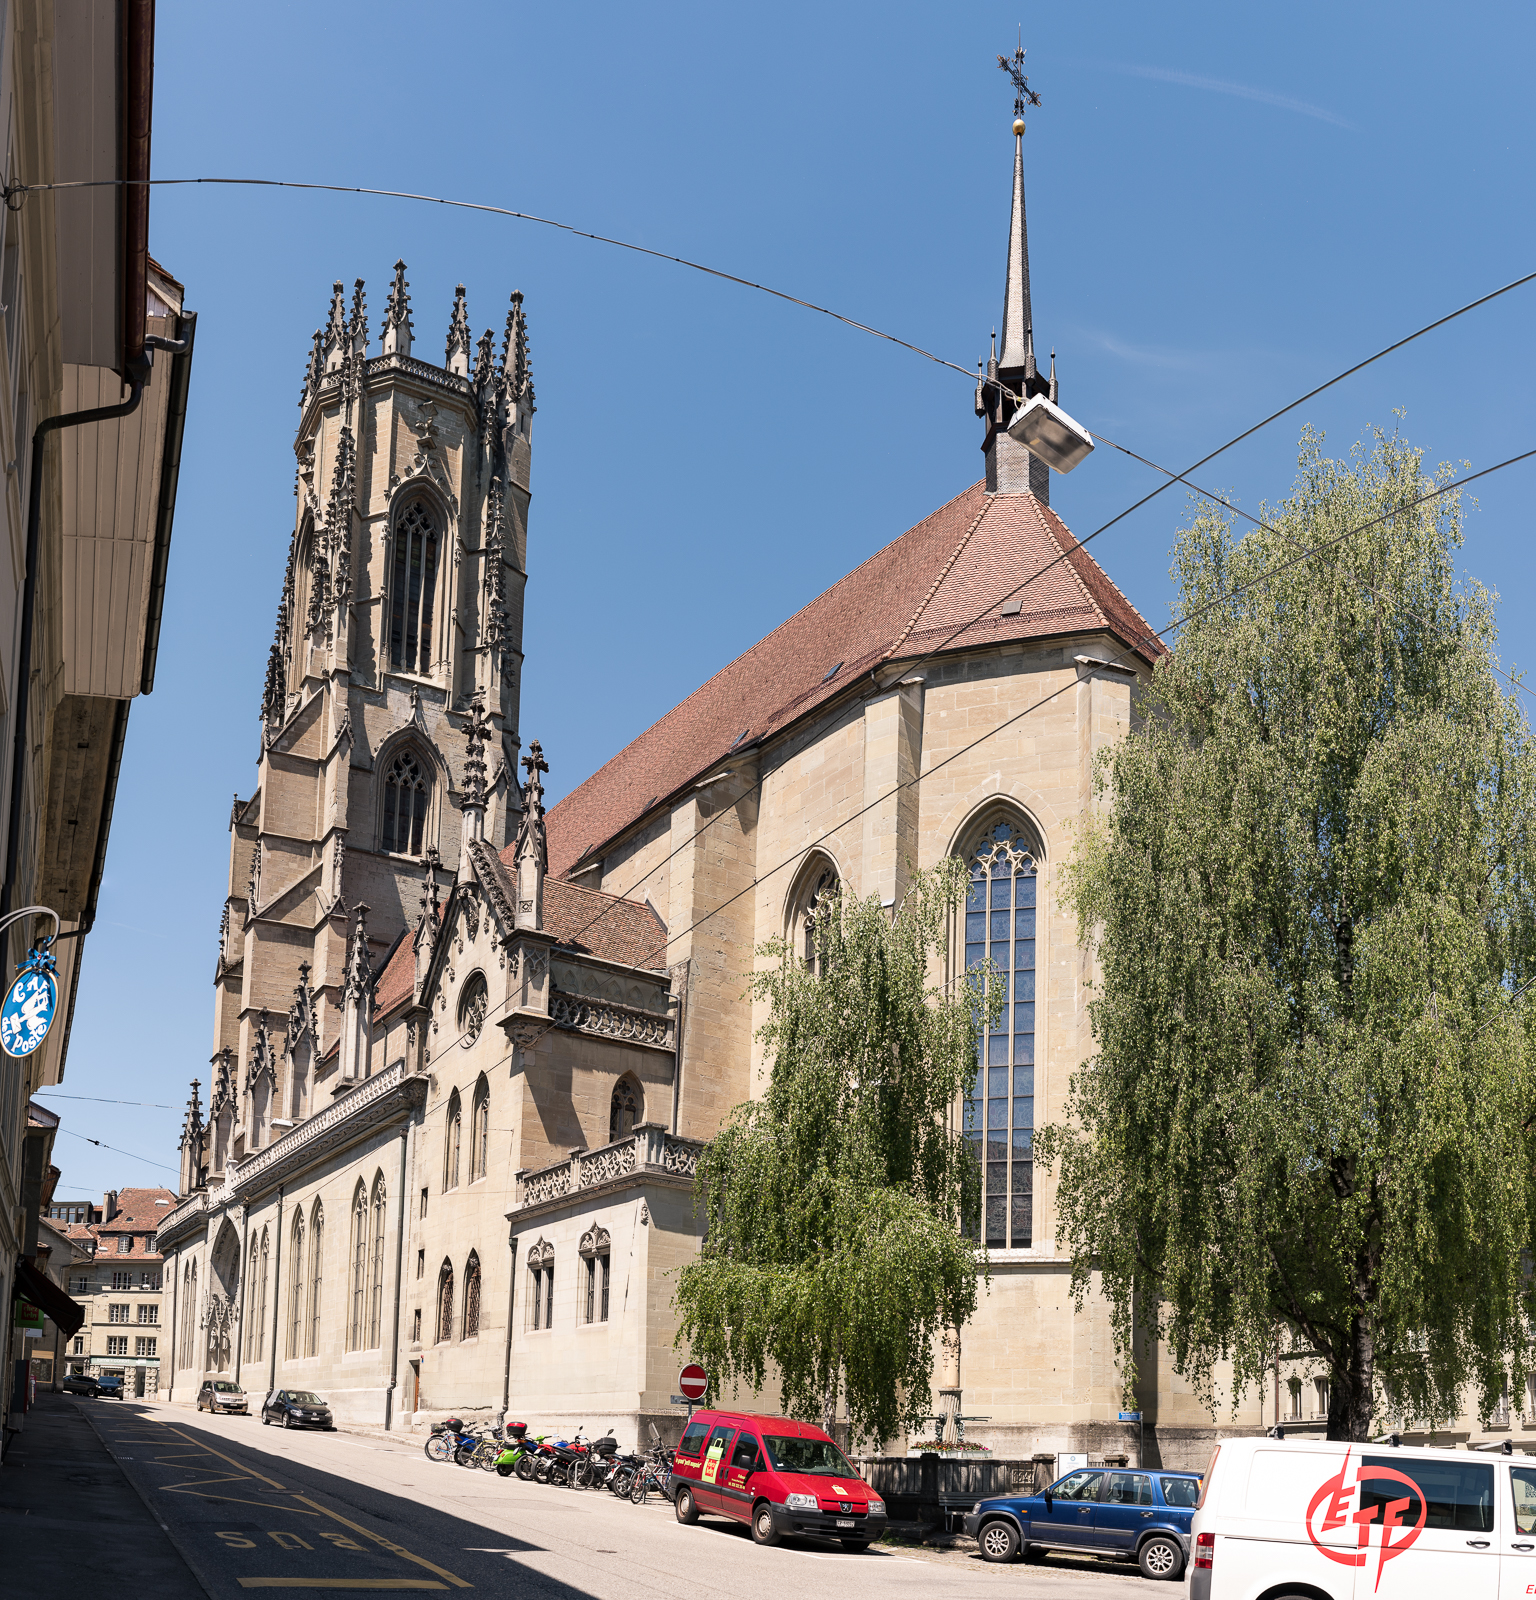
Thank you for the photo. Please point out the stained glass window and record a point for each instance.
(1000, 1112)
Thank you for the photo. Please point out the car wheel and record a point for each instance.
(763, 1530)
(684, 1508)
(266, 1421)
(287, 1420)
(1160, 1558)
(999, 1541)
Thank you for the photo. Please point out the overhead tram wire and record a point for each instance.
(114, 1149)
(1122, 659)
(1173, 477)
(1269, 527)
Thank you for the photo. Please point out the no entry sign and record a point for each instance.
(692, 1381)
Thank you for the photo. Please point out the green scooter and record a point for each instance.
(517, 1448)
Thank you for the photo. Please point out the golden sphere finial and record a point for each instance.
(1018, 125)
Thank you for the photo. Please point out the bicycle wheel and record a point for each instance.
(485, 1456)
(637, 1494)
(439, 1447)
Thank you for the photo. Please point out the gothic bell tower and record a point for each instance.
(390, 709)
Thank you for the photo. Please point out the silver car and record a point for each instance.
(219, 1394)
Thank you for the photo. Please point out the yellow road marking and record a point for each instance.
(394, 1549)
(341, 1583)
(325, 1511)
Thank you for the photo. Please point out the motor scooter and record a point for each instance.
(515, 1451)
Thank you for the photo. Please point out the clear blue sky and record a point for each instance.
(1227, 204)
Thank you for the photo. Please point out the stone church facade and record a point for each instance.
(465, 1054)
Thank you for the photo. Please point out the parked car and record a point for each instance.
(296, 1408)
(79, 1383)
(775, 1475)
(1096, 1511)
(1304, 1516)
(219, 1394)
(109, 1386)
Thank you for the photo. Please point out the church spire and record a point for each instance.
(1013, 377)
(1018, 325)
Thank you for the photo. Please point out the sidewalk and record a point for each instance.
(70, 1521)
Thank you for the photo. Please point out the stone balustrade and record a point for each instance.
(648, 1154)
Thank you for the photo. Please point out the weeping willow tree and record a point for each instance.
(1310, 886)
(837, 1207)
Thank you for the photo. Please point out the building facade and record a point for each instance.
(87, 321)
(116, 1275)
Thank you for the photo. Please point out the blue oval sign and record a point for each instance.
(29, 1005)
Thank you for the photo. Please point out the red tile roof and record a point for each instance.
(398, 980)
(917, 595)
(585, 920)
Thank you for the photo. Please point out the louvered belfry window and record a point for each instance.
(412, 590)
(1000, 1113)
(407, 791)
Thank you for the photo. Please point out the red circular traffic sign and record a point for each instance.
(693, 1380)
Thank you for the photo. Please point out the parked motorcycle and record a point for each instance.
(514, 1451)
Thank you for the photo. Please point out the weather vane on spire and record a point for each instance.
(1023, 96)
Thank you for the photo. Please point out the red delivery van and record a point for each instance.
(775, 1475)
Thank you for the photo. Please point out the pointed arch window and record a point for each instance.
(376, 1267)
(541, 1285)
(406, 800)
(316, 1264)
(471, 1296)
(596, 1254)
(359, 1255)
(188, 1311)
(296, 1291)
(472, 1008)
(623, 1109)
(819, 885)
(480, 1131)
(412, 590)
(251, 1318)
(261, 1303)
(1000, 911)
(445, 1303)
(452, 1139)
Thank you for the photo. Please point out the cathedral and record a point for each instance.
(465, 1053)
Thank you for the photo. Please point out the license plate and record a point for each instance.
(845, 1522)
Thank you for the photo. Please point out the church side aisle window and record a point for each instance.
(413, 588)
(1000, 1113)
(407, 793)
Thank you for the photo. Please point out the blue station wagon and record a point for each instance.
(1096, 1511)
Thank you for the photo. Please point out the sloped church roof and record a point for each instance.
(906, 600)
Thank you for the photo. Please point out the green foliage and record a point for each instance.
(1309, 1115)
(835, 1204)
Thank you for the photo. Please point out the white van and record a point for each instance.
(1306, 1519)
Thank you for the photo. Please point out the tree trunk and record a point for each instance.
(829, 1401)
(1351, 1385)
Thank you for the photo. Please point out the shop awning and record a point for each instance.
(44, 1293)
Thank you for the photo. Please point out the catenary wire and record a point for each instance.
(24, 189)
(53, 1094)
(1122, 659)
(1236, 510)
(1040, 572)
(114, 1149)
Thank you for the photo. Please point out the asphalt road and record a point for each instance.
(252, 1507)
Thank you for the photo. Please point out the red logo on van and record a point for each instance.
(1333, 1499)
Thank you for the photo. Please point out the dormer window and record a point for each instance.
(413, 588)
